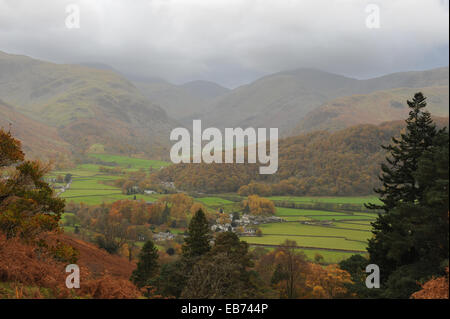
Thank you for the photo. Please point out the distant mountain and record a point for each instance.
(98, 65)
(372, 108)
(85, 105)
(80, 106)
(205, 89)
(181, 102)
(283, 99)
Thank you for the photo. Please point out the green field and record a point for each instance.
(214, 201)
(130, 162)
(344, 234)
(329, 244)
(360, 200)
(87, 186)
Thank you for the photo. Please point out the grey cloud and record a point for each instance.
(230, 41)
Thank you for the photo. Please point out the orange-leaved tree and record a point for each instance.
(28, 205)
(256, 205)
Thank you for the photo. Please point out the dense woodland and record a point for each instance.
(321, 163)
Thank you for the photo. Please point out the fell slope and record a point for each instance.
(38, 140)
(283, 99)
(373, 108)
(86, 105)
(182, 102)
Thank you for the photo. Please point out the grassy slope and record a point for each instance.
(38, 140)
(373, 108)
(87, 186)
(88, 106)
(282, 99)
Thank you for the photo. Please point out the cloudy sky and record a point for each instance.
(232, 42)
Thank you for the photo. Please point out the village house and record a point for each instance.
(161, 236)
(248, 219)
(221, 227)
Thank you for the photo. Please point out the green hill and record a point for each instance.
(283, 99)
(373, 108)
(85, 105)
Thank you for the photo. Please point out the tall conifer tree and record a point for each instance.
(196, 243)
(405, 244)
(147, 267)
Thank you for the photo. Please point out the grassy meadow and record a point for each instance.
(334, 234)
(87, 180)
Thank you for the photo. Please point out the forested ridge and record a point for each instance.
(320, 163)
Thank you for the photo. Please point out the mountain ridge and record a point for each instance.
(284, 98)
(86, 105)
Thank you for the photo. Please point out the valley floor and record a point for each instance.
(332, 227)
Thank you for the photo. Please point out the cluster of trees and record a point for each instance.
(137, 182)
(285, 273)
(208, 178)
(223, 267)
(175, 210)
(258, 206)
(123, 222)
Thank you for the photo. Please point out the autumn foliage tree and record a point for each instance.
(259, 206)
(329, 282)
(28, 205)
(291, 268)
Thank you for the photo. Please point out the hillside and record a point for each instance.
(373, 108)
(85, 105)
(38, 140)
(283, 99)
(97, 260)
(27, 273)
(343, 163)
(181, 102)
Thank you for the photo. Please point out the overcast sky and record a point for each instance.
(231, 42)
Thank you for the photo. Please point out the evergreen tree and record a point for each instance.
(147, 267)
(356, 267)
(172, 279)
(410, 239)
(196, 243)
(165, 215)
(236, 250)
(222, 272)
(399, 183)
